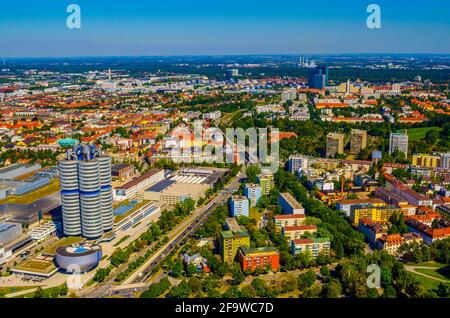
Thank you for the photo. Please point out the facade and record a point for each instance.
(413, 198)
(4, 255)
(375, 213)
(445, 161)
(296, 232)
(288, 220)
(122, 172)
(266, 182)
(261, 258)
(86, 192)
(289, 205)
(239, 206)
(297, 163)
(83, 256)
(253, 193)
(335, 144)
(358, 141)
(318, 78)
(44, 231)
(315, 246)
(9, 232)
(346, 205)
(373, 230)
(172, 192)
(392, 242)
(138, 184)
(230, 242)
(398, 141)
(426, 161)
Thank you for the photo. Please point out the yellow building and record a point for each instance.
(230, 242)
(426, 161)
(266, 182)
(375, 213)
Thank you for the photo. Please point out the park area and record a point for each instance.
(420, 133)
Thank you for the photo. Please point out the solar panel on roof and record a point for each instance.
(160, 186)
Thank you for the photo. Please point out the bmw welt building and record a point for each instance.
(86, 192)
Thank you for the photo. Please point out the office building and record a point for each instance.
(253, 193)
(230, 242)
(313, 246)
(239, 206)
(231, 73)
(335, 144)
(266, 182)
(138, 185)
(261, 258)
(297, 163)
(358, 141)
(289, 205)
(398, 142)
(86, 192)
(318, 77)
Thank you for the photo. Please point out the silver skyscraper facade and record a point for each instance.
(86, 192)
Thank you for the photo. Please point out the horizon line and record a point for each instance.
(218, 55)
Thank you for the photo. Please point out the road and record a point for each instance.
(202, 215)
(137, 281)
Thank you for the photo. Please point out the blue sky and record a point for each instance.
(175, 27)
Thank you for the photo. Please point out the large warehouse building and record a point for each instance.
(188, 183)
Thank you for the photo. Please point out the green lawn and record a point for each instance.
(14, 289)
(432, 272)
(427, 264)
(62, 242)
(428, 283)
(419, 133)
(33, 196)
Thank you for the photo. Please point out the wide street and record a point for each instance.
(137, 280)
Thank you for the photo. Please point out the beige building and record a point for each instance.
(171, 192)
(335, 144)
(358, 141)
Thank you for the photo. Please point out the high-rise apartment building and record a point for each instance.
(253, 193)
(398, 141)
(298, 162)
(266, 182)
(230, 242)
(358, 141)
(445, 161)
(86, 192)
(335, 144)
(239, 206)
